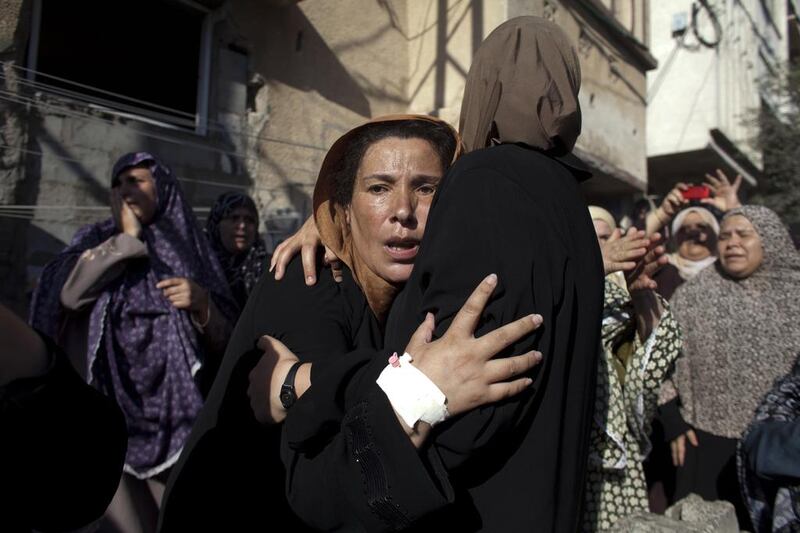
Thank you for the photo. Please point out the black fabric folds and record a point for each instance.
(230, 476)
(514, 466)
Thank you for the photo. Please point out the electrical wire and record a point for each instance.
(213, 125)
(696, 6)
(19, 99)
(187, 180)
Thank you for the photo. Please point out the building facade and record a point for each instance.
(249, 94)
(712, 57)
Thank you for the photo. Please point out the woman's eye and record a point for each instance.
(377, 189)
(427, 189)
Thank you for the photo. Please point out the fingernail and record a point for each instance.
(491, 279)
(309, 280)
(537, 319)
(537, 356)
(528, 382)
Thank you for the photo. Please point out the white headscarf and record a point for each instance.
(686, 267)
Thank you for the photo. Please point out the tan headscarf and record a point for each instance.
(523, 88)
(331, 221)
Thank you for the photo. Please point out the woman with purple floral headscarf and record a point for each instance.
(148, 289)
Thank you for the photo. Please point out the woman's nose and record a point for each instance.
(404, 207)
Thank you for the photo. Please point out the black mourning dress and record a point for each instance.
(515, 466)
(230, 476)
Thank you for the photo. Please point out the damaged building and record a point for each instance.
(249, 94)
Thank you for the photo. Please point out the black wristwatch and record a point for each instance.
(288, 395)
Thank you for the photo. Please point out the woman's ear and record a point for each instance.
(347, 215)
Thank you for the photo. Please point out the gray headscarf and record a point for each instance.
(739, 335)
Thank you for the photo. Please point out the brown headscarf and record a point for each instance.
(330, 215)
(523, 88)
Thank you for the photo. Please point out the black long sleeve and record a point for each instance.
(230, 470)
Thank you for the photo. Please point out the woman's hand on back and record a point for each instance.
(306, 242)
(463, 367)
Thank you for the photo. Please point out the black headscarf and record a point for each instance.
(244, 269)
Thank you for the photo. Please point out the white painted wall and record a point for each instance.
(695, 88)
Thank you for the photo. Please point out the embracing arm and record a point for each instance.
(360, 468)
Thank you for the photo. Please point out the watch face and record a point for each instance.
(287, 397)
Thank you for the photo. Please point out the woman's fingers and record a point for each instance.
(275, 255)
(169, 282)
(501, 391)
(714, 182)
(336, 265)
(308, 254)
(174, 290)
(289, 249)
(501, 338)
(678, 450)
(422, 335)
(510, 367)
(625, 265)
(692, 437)
(466, 320)
(723, 178)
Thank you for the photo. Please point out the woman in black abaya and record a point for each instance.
(511, 206)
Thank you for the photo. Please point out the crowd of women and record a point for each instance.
(437, 347)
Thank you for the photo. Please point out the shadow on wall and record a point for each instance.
(319, 69)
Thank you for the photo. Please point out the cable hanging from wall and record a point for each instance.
(704, 5)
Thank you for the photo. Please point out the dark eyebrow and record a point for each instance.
(380, 177)
(425, 178)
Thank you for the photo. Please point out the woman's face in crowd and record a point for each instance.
(138, 189)
(237, 230)
(740, 250)
(602, 229)
(392, 194)
(696, 238)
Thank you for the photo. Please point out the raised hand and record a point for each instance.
(640, 277)
(622, 252)
(726, 194)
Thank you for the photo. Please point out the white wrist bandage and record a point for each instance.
(412, 394)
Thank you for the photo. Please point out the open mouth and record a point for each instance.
(402, 249)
